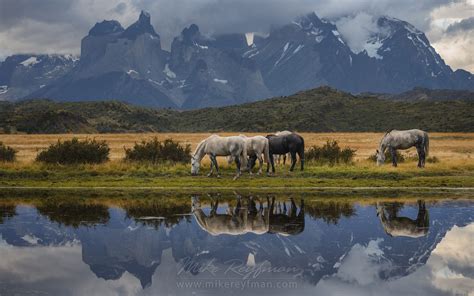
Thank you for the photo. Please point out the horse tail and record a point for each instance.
(266, 151)
(426, 140)
(302, 148)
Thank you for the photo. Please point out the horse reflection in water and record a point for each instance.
(403, 226)
(246, 217)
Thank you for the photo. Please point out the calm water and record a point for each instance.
(236, 245)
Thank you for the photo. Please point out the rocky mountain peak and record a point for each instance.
(105, 28)
(141, 26)
(310, 21)
(190, 34)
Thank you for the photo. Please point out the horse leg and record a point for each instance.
(260, 160)
(237, 162)
(301, 155)
(293, 160)
(301, 214)
(419, 150)
(293, 208)
(284, 159)
(272, 163)
(212, 165)
(214, 207)
(423, 157)
(216, 166)
(393, 152)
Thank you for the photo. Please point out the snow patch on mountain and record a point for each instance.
(201, 46)
(3, 89)
(285, 48)
(30, 62)
(372, 47)
(168, 72)
(336, 33)
(223, 81)
(298, 48)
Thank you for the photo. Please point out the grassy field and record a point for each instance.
(454, 150)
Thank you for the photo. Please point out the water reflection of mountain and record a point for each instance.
(123, 245)
(115, 241)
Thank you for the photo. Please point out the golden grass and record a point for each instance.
(452, 148)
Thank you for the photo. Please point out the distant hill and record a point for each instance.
(425, 94)
(321, 110)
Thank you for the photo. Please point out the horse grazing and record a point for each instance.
(256, 147)
(285, 156)
(246, 217)
(220, 146)
(280, 145)
(403, 226)
(394, 140)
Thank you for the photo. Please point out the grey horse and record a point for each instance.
(394, 140)
(403, 226)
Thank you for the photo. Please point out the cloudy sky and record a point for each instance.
(57, 26)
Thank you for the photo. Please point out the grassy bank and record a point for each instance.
(120, 174)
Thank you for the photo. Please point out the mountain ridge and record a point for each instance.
(129, 64)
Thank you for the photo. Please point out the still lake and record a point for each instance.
(237, 244)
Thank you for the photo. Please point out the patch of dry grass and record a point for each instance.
(448, 147)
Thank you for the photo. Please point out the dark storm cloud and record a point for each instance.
(32, 26)
(464, 25)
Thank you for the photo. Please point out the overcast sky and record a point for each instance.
(57, 26)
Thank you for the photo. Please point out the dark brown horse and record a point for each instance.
(281, 145)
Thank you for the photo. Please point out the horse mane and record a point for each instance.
(388, 131)
(199, 146)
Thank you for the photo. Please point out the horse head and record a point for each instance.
(195, 164)
(380, 156)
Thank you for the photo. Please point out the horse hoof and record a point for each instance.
(218, 176)
(209, 175)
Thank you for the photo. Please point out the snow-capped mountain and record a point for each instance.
(304, 54)
(129, 64)
(311, 52)
(21, 75)
(399, 57)
(211, 72)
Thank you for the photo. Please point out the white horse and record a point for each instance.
(245, 218)
(256, 147)
(394, 140)
(285, 156)
(220, 146)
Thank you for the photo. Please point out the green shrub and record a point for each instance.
(388, 157)
(155, 152)
(7, 153)
(75, 152)
(330, 154)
